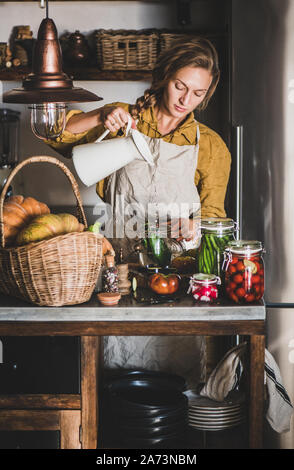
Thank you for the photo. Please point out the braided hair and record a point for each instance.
(196, 52)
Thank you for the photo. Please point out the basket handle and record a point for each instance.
(37, 159)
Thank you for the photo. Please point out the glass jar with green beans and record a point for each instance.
(216, 233)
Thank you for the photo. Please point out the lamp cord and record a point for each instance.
(47, 10)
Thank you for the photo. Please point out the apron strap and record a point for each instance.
(198, 134)
(198, 139)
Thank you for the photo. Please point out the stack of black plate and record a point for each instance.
(146, 410)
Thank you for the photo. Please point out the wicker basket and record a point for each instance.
(168, 38)
(126, 49)
(60, 271)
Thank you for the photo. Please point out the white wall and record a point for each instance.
(86, 17)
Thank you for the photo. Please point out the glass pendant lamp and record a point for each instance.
(47, 88)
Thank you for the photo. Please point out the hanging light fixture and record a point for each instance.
(47, 88)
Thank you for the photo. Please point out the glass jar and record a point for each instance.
(204, 287)
(155, 243)
(244, 271)
(161, 247)
(110, 276)
(216, 233)
(157, 249)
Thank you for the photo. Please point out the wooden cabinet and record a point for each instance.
(67, 414)
(76, 415)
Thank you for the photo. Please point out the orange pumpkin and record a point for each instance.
(18, 212)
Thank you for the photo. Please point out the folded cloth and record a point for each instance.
(224, 378)
(279, 409)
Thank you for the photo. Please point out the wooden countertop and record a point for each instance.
(129, 310)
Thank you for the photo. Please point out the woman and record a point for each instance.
(192, 165)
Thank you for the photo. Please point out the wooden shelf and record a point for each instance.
(89, 73)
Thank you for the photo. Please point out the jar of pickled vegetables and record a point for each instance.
(157, 248)
(216, 233)
(160, 247)
(244, 271)
(204, 287)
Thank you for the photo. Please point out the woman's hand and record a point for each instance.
(114, 118)
(184, 229)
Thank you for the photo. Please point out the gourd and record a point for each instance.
(107, 248)
(18, 212)
(48, 226)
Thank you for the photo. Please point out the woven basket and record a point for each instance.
(60, 271)
(167, 39)
(126, 49)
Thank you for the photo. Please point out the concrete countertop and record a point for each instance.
(128, 309)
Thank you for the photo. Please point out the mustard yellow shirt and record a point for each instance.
(214, 159)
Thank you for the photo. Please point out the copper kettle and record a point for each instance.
(77, 52)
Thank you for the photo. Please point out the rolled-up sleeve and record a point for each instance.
(64, 143)
(212, 174)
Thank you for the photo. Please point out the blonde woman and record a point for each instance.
(192, 166)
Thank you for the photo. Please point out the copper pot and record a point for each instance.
(77, 52)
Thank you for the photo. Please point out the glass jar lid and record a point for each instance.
(244, 247)
(217, 224)
(205, 278)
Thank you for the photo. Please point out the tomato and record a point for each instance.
(240, 266)
(164, 284)
(232, 269)
(255, 279)
(238, 278)
(249, 298)
(234, 260)
(234, 297)
(240, 292)
(233, 285)
(257, 288)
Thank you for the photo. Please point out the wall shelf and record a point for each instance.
(90, 73)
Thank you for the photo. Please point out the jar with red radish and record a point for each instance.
(244, 271)
(204, 287)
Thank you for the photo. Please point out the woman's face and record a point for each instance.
(186, 90)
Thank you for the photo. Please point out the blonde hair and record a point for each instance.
(196, 52)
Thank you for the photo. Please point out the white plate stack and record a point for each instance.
(208, 415)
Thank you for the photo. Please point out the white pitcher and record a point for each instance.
(94, 162)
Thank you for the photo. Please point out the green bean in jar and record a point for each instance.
(216, 234)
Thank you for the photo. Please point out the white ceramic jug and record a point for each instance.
(94, 162)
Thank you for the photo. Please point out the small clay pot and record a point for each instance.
(109, 298)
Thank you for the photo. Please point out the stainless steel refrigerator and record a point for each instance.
(262, 33)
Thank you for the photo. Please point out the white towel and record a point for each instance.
(280, 409)
(224, 379)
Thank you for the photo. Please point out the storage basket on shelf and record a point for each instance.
(166, 39)
(126, 49)
(58, 271)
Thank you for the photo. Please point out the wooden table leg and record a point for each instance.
(70, 421)
(256, 400)
(89, 390)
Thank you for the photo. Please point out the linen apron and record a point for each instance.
(170, 181)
